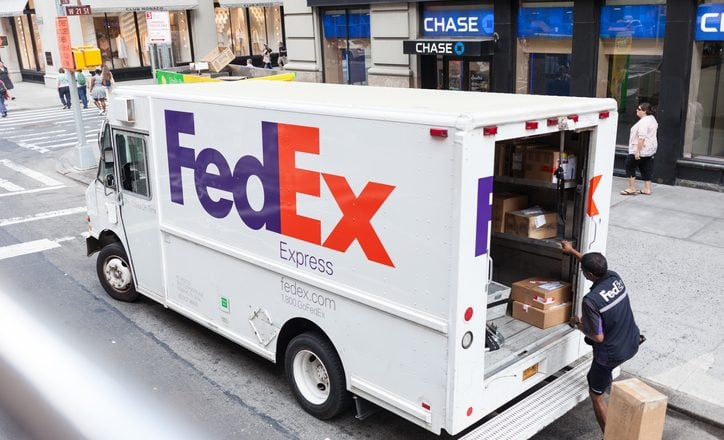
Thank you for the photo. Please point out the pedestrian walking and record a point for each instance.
(266, 57)
(282, 54)
(3, 98)
(64, 88)
(5, 78)
(107, 79)
(98, 92)
(82, 88)
(642, 145)
(608, 324)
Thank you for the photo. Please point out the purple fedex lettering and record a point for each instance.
(268, 173)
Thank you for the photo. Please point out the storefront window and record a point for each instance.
(545, 31)
(708, 110)
(347, 48)
(180, 39)
(632, 40)
(28, 33)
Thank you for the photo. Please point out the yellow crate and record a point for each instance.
(219, 58)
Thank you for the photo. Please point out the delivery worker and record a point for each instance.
(608, 323)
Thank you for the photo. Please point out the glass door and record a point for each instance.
(459, 74)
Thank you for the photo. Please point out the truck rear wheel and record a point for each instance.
(114, 273)
(316, 375)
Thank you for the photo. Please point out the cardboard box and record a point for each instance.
(540, 318)
(517, 161)
(636, 411)
(542, 163)
(218, 58)
(542, 293)
(502, 160)
(504, 203)
(532, 223)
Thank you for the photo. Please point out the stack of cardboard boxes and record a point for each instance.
(542, 302)
(512, 216)
(534, 162)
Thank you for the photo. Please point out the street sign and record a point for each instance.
(64, 48)
(64, 2)
(71, 11)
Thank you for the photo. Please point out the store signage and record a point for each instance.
(634, 21)
(710, 23)
(457, 23)
(555, 22)
(71, 11)
(159, 27)
(447, 48)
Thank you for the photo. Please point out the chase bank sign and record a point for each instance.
(458, 23)
(710, 23)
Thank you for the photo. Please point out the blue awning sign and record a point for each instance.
(710, 23)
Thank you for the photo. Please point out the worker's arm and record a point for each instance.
(590, 323)
(568, 249)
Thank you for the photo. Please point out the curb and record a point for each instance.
(65, 167)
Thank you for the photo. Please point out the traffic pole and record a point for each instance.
(84, 153)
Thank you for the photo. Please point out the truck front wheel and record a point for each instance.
(316, 375)
(114, 272)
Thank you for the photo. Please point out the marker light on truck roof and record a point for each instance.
(438, 132)
(531, 125)
(489, 131)
(552, 122)
(573, 118)
(604, 115)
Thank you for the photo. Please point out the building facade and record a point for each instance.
(666, 52)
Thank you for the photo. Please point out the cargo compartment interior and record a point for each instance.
(545, 210)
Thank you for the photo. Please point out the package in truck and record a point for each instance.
(541, 292)
(540, 318)
(504, 203)
(532, 223)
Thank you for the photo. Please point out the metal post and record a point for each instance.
(84, 156)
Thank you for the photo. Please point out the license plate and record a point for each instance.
(530, 371)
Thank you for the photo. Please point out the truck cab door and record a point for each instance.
(105, 192)
(138, 210)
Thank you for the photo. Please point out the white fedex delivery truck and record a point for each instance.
(346, 232)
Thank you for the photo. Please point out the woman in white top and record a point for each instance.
(642, 145)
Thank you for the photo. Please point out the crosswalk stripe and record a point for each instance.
(42, 216)
(10, 186)
(30, 191)
(40, 177)
(31, 247)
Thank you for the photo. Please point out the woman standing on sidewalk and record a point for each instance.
(642, 145)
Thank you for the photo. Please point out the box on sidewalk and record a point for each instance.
(542, 293)
(218, 58)
(532, 223)
(504, 203)
(540, 318)
(636, 411)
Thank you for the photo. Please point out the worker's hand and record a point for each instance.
(566, 247)
(575, 321)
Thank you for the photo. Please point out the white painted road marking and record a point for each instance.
(42, 216)
(30, 247)
(9, 185)
(30, 191)
(42, 178)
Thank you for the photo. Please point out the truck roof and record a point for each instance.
(452, 108)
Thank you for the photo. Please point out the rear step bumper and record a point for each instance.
(538, 410)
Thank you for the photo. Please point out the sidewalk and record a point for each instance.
(668, 248)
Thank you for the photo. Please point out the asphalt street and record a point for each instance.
(220, 389)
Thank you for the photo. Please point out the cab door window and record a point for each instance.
(132, 163)
(105, 167)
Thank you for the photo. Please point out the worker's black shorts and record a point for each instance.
(644, 164)
(599, 377)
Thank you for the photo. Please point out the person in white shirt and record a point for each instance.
(642, 145)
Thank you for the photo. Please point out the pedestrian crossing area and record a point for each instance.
(50, 129)
(16, 179)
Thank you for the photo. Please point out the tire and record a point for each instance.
(316, 376)
(114, 273)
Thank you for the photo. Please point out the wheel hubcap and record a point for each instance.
(310, 376)
(117, 274)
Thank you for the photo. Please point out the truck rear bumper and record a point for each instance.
(539, 409)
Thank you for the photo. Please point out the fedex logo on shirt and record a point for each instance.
(281, 180)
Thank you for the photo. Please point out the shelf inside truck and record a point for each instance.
(534, 183)
(521, 339)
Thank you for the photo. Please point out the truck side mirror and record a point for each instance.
(110, 183)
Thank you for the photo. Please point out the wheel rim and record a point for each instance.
(311, 378)
(117, 273)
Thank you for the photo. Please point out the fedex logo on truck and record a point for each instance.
(281, 181)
